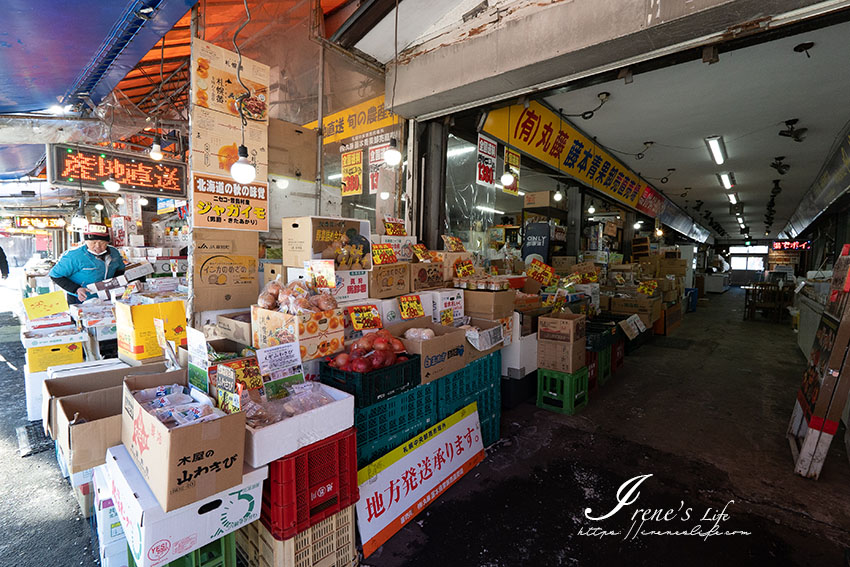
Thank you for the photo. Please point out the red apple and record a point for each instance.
(391, 358)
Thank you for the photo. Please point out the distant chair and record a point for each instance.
(765, 297)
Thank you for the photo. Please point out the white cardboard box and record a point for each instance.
(519, 357)
(34, 385)
(390, 310)
(108, 525)
(47, 340)
(402, 245)
(351, 285)
(155, 537)
(264, 445)
(114, 554)
(445, 299)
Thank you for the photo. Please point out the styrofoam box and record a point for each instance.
(86, 367)
(155, 537)
(390, 310)
(266, 444)
(114, 554)
(108, 525)
(519, 358)
(104, 332)
(32, 342)
(33, 384)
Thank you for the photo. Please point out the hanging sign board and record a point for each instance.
(376, 161)
(512, 161)
(486, 173)
(221, 202)
(352, 173)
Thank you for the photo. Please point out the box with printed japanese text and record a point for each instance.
(318, 334)
(426, 275)
(39, 359)
(390, 280)
(450, 260)
(565, 327)
(561, 356)
(136, 332)
(484, 338)
(235, 326)
(226, 274)
(391, 311)
(402, 245)
(447, 306)
(351, 285)
(108, 525)
(440, 356)
(156, 536)
(184, 464)
(346, 241)
(203, 372)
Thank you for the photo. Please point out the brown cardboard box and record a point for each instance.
(543, 199)
(442, 355)
(561, 356)
(664, 284)
(489, 304)
(670, 320)
(235, 326)
(561, 327)
(531, 286)
(226, 269)
(55, 388)
(166, 457)
(314, 238)
(562, 264)
(649, 266)
(319, 334)
(604, 302)
(487, 340)
(449, 259)
(583, 268)
(84, 444)
(672, 267)
(292, 150)
(273, 272)
(390, 280)
(527, 302)
(649, 309)
(428, 275)
(670, 296)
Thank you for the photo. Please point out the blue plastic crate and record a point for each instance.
(490, 430)
(397, 414)
(469, 380)
(691, 299)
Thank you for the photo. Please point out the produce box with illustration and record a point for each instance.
(346, 241)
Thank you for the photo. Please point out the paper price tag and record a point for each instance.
(364, 317)
(383, 254)
(464, 269)
(540, 272)
(321, 273)
(453, 243)
(394, 227)
(447, 317)
(410, 306)
(421, 252)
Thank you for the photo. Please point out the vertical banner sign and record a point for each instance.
(218, 201)
(486, 175)
(398, 486)
(376, 160)
(352, 173)
(512, 161)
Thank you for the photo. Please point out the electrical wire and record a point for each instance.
(395, 59)
(241, 99)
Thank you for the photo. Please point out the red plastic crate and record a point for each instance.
(312, 484)
(618, 355)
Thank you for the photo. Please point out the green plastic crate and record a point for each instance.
(561, 392)
(481, 382)
(604, 371)
(376, 386)
(218, 553)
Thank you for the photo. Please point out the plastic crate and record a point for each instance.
(600, 335)
(561, 392)
(372, 387)
(516, 391)
(383, 426)
(591, 361)
(490, 430)
(469, 380)
(218, 553)
(311, 484)
(330, 543)
(604, 371)
(638, 341)
(618, 355)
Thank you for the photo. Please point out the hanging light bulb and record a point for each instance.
(156, 148)
(243, 170)
(507, 178)
(119, 201)
(659, 232)
(385, 195)
(392, 156)
(111, 185)
(143, 202)
(558, 195)
(98, 206)
(637, 225)
(591, 209)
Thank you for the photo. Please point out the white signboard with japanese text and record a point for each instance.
(486, 174)
(396, 487)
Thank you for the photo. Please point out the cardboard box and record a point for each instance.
(672, 267)
(315, 238)
(649, 266)
(389, 308)
(561, 356)
(390, 280)
(138, 270)
(670, 320)
(202, 372)
(447, 306)
(486, 340)
(543, 199)
(351, 285)
(519, 358)
(489, 304)
(427, 275)
(442, 355)
(648, 309)
(402, 245)
(604, 302)
(562, 327)
(272, 442)
(107, 524)
(449, 259)
(349, 333)
(591, 291)
(226, 269)
(319, 334)
(33, 388)
(507, 328)
(235, 326)
(670, 296)
(115, 554)
(272, 272)
(136, 331)
(167, 458)
(155, 537)
(39, 359)
(163, 265)
(562, 264)
(98, 412)
(527, 302)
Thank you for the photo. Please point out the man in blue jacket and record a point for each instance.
(93, 262)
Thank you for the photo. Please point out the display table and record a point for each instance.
(716, 283)
(810, 314)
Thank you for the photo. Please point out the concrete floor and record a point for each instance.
(704, 412)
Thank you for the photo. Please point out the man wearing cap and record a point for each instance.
(95, 261)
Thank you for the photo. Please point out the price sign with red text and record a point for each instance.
(486, 173)
(364, 317)
(648, 287)
(572, 279)
(352, 173)
(540, 272)
(447, 317)
(453, 243)
(383, 254)
(589, 277)
(321, 273)
(464, 269)
(421, 252)
(410, 306)
(394, 227)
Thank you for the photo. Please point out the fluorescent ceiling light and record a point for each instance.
(334, 177)
(454, 152)
(484, 209)
(733, 198)
(716, 148)
(727, 180)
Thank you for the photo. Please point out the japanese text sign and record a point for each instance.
(45, 305)
(215, 143)
(383, 254)
(352, 173)
(651, 202)
(540, 272)
(539, 133)
(396, 487)
(221, 202)
(792, 245)
(486, 173)
(353, 121)
(447, 317)
(464, 269)
(279, 357)
(394, 227)
(364, 317)
(376, 161)
(421, 252)
(39, 222)
(512, 161)
(410, 306)
(215, 85)
(321, 273)
(453, 243)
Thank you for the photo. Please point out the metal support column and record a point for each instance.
(628, 234)
(432, 196)
(574, 210)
